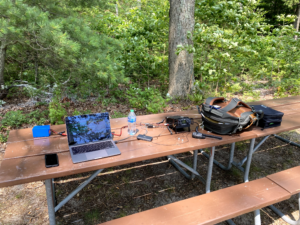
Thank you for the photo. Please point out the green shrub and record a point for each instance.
(149, 98)
(14, 119)
(56, 112)
(3, 137)
(118, 115)
(38, 117)
(77, 112)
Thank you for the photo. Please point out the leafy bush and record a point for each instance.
(14, 119)
(77, 112)
(56, 112)
(149, 98)
(38, 117)
(118, 115)
(3, 137)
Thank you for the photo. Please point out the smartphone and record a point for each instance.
(51, 160)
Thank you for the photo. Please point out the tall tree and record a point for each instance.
(181, 66)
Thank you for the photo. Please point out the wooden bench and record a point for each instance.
(211, 208)
(290, 181)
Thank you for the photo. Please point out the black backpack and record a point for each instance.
(227, 117)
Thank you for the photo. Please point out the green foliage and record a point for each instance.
(118, 115)
(77, 112)
(149, 98)
(3, 137)
(144, 33)
(56, 111)
(234, 49)
(14, 119)
(90, 48)
(38, 117)
(61, 40)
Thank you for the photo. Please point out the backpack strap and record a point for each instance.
(233, 103)
(211, 100)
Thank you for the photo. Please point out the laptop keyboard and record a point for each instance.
(92, 147)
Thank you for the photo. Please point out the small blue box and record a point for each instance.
(41, 131)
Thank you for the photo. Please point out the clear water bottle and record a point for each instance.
(131, 122)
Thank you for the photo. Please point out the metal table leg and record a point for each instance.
(249, 159)
(246, 174)
(218, 163)
(195, 162)
(257, 218)
(49, 193)
(209, 170)
(53, 191)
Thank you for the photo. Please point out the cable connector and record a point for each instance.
(148, 125)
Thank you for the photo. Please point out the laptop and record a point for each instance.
(89, 137)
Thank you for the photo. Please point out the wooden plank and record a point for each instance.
(288, 179)
(277, 102)
(28, 169)
(211, 208)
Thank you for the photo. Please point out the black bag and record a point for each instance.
(272, 117)
(227, 117)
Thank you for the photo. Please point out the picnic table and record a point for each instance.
(24, 156)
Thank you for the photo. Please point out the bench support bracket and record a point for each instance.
(287, 141)
(284, 217)
(51, 193)
(241, 163)
(178, 164)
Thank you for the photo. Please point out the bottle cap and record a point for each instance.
(131, 110)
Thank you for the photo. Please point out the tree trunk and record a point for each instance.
(2, 62)
(296, 24)
(36, 68)
(3, 46)
(117, 9)
(181, 67)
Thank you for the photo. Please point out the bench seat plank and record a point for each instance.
(288, 179)
(211, 208)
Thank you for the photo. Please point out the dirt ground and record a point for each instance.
(132, 188)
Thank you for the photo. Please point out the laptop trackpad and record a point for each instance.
(96, 154)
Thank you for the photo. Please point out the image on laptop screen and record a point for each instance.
(88, 128)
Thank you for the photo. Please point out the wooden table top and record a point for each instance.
(24, 156)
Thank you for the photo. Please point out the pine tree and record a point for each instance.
(58, 38)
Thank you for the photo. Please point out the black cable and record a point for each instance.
(169, 130)
(161, 121)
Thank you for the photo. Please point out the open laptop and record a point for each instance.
(89, 137)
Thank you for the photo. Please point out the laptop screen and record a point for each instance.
(88, 128)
